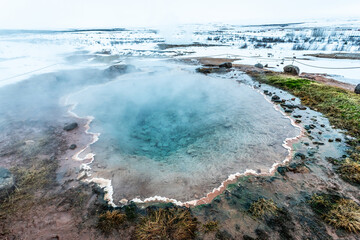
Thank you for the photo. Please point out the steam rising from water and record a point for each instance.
(176, 134)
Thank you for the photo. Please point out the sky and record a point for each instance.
(65, 14)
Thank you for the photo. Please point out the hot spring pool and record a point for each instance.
(177, 134)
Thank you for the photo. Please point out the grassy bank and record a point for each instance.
(341, 107)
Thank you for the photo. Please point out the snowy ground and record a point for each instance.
(23, 53)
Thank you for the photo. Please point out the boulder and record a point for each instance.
(7, 182)
(226, 65)
(71, 126)
(207, 70)
(291, 69)
(118, 69)
(357, 89)
(259, 65)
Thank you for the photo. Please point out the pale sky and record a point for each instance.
(60, 14)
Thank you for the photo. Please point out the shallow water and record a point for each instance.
(170, 132)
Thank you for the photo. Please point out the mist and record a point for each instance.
(60, 14)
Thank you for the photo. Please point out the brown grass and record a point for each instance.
(350, 171)
(29, 180)
(110, 220)
(336, 211)
(344, 214)
(210, 226)
(176, 224)
(263, 207)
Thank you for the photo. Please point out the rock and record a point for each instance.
(207, 70)
(301, 107)
(118, 69)
(226, 65)
(288, 106)
(298, 168)
(261, 234)
(275, 97)
(291, 69)
(7, 182)
(71, 126)
(357, 89)
(247, 237)
(259, 65)
(282, 170)
(223, 235)
(300, 155)
(72, 146)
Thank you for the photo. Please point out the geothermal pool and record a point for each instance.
(170, 132)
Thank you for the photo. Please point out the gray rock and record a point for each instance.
(226, 65)
(301, 107)
(275, 97)
(259, 65)
(207, 70)
(300, 155)
(291, 69)
(118, 69)
(7, 182)
(71, 126)
(357, 89)
(73, 146)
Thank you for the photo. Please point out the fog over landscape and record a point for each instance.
(179, 120)
(64, 14)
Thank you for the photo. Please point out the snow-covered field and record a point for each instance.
(23, 53)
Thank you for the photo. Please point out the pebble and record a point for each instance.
(72, 146)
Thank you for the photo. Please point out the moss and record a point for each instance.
(350, 171)
(263, 207)
(131, 211)
(177, 224)
(339, 212)
(340, 106)
(110, 220)
(321, 203)
(211, 226)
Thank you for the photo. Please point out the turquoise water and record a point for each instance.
(170, 132)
